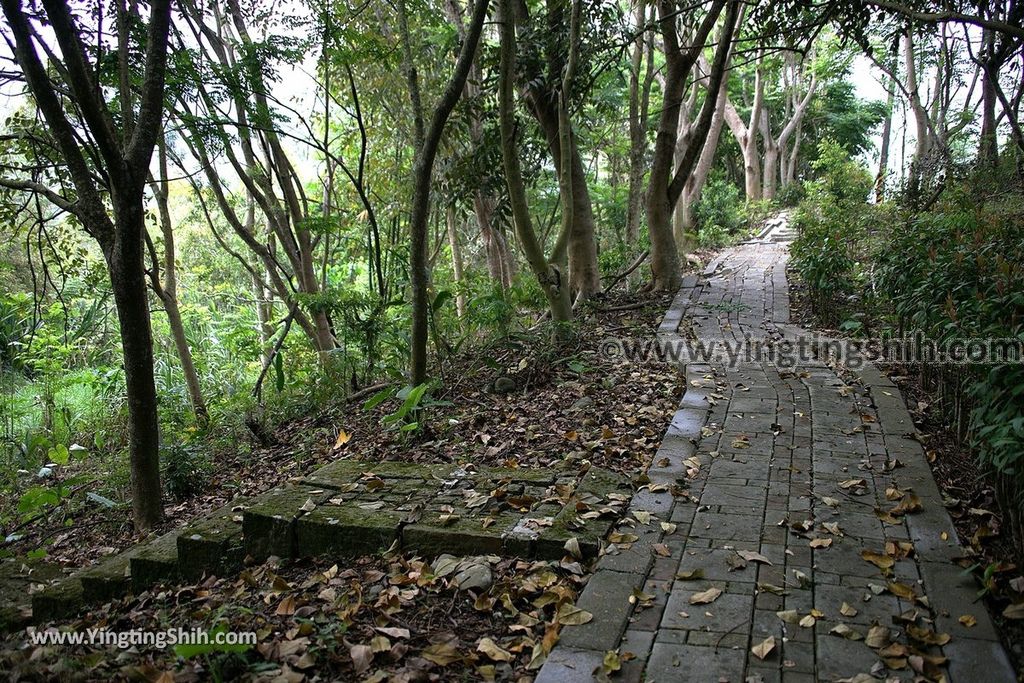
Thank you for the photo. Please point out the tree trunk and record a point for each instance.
(639, 92)
(426, 150)
(664, 186)
(125, 260)
(988, 144)
(584, 274)
(168, 293)
(549, 276)
(771, 168)
(457, 266)
(883, 152)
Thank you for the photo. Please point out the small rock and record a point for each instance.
(504, 385)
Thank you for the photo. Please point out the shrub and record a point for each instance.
(831, 221)
(720, 207)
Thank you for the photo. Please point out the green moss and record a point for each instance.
(346, 530)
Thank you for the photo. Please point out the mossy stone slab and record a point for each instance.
(346, 530)
(155, 562)
(109, 579)
(59, 601)
(464, 536)
(213, 544)
(268, 524)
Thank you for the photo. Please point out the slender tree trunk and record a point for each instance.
(584, 274)
(771, 168)
(457, 265)
(639, 91)
(988, 145)
(125, 260)
(666, 178)
(428, 140)
(685, 221)
(883, 153)
(549, 276)
(168, 293)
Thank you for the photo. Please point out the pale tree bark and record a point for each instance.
(457, 263)
(548, 273)
(774, 146)
(922, 124)
(122, 158)
(746, 137)
(883, 152)
(639, 108)
(685, 220)
(166, 288)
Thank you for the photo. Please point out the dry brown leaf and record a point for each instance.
(493, 650)
(764, 648)
(705, 597)
(571, 615)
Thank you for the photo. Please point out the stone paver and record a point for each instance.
(795, 464)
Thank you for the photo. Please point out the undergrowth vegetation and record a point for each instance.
(950, 275)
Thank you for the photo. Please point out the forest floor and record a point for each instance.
(524, 402)
(553, 402)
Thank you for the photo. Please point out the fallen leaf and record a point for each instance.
(571, 615)
(362, 657)
(790, 616)
(1014, 611)
(847, 611)
(877, 638)
(493, 651)
(820, 542)
(441, 654)
(690, 575)
(343, 438)
(752, 556)
(883, 562)
(847, 632)
(705, 597)
(968, 620)
(764, 648)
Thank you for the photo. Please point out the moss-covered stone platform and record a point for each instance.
(350, 508)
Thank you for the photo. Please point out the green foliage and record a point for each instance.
(185, 470)
(720, 208)
(831, 220)
(957, 273)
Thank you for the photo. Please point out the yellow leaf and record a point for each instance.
(883, 562)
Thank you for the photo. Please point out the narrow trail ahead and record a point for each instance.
(811, 530)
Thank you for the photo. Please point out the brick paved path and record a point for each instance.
(806, 470)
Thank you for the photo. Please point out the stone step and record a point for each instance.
(350, 508)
